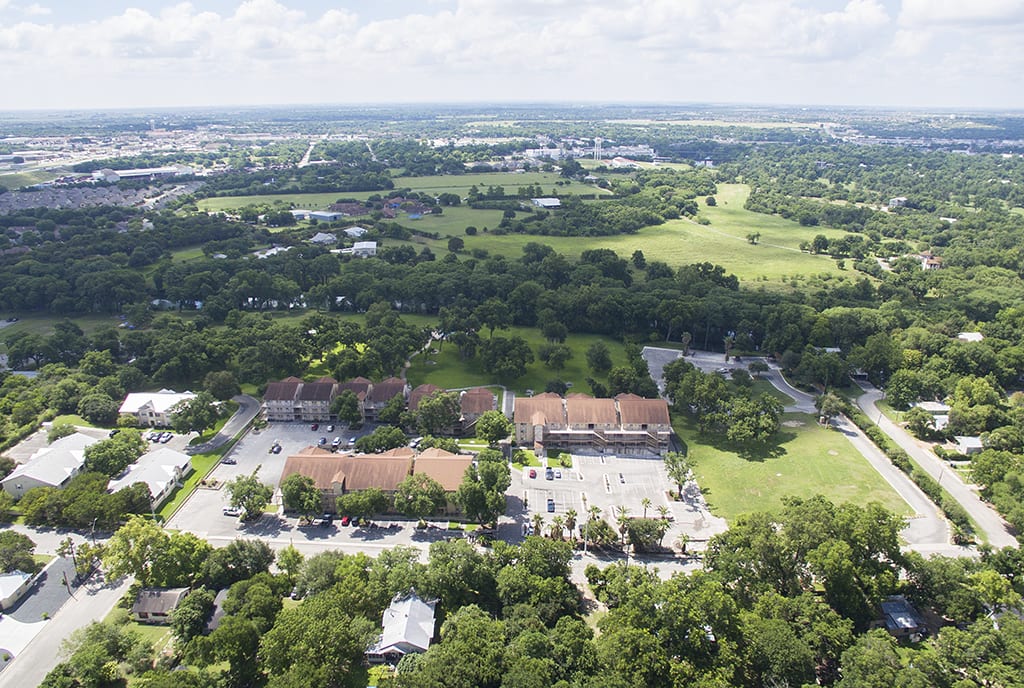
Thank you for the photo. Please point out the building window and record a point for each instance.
(590, 426)
(644, 426)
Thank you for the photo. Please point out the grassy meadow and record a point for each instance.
(806, 459)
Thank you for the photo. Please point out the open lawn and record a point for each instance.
(74, 419)
(448, 370)
(16, 180)
(806, 460)
(42, 324)
(435, 184)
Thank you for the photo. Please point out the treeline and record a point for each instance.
(313, 179)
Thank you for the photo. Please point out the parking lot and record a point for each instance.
(612, 481)
(203, 512)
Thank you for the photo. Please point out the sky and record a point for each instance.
(72, 54)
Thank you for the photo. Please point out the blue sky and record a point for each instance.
(150, 53)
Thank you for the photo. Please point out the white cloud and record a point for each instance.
(37, 10)
(960, 12)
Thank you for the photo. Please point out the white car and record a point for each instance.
(232, 511)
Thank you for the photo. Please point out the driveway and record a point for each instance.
(994, 528)
(248, 407)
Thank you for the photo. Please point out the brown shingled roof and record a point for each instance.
(385, 390)
(420, 393)
(542, 409)
(634, 409)
(354, 473)
(359, 386)
(285, 390)
(477, 401)
(316, 391)
(444, 467)
(586, 410)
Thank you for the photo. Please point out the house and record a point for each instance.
(154, 605)
(161, 470)
(301, 214)
(323, 238)
(364, 249)
(52, 466)
(352, 209)
(325, 215)
(381, 393)
(408, 627)
(474, 403)
(13, 587)
(897, 202)
(901, 619)
(315, 399)
(970, 336)
(281, 399)
(421, 393)
(546, 203)
(627, 424)
(444, 467)
(359, 386)
(338, 474)
(356, 232)
(968, 444)
(929, 261)
(153, 408)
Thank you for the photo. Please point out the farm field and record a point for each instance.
(808, 459)
(448, 370)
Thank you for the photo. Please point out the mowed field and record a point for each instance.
(807, 460)
(436, 184)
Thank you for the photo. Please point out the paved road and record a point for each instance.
(994, 528)
(248, 407)
(92, 602)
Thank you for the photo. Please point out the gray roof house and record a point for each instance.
(356, 232)
(154, 605)
(408, 625)
(160, 470)
(52, 466)
(901, 619)
(324, 238)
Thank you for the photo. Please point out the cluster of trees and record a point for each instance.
(720, 408)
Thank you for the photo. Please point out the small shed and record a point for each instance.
(154, 605)
(902, 620)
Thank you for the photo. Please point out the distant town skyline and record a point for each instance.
(152, 53)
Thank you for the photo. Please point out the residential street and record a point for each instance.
(995, 529)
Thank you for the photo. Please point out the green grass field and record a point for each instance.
(450, 371)
(16, 180)
(807, 459)
(202, 464)
(436, 184)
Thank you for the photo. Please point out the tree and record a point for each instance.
(346, 407)
(753, 238)
(639, 261)
(494, 314)
(300, 494)
(195, 414)
(645, 533)
(249, 494)
(393, 410)
(134, 549)
(382, 438)
(678, 469)
(493, 426)
(757, 367)
(221, 384)
(555, 356)
(829, 406)
(98, 409)
(456, 244)
(439, 413)
(481, 495)
(419, 496)
(506, 358)
(16, 552)
(190, 617)
(240, 560)
(599, 358)
(111, 456)
(364, 503)
(920, 423)
(60, 430)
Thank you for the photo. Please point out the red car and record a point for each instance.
(344, 520)
(533, 473)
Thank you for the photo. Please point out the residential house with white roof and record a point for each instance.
(161, 470)
(408, 627)
(52, 466)
(153, 408)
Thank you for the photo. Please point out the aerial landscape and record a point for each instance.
(512, 345)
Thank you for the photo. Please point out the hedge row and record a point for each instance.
(949, 506)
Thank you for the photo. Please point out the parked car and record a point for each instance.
(229, 461)
(276, 449)
(551, 505)
(533, 473)
(113, 432)
(336, 443)
(415, 442)
(314, 427)
(168, 436)
(327, 520)
(330, 428)
(232, 511)
(345, 520)
(558, 473)
(322, 441)
(549, 474)
(351, 441)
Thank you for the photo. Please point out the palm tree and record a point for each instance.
(570, 523)
(557, 528)
(538, 523)
(622, 518)
(662, 529)
(593, 513)
(663, 511)
(682, 541)
(646, 504)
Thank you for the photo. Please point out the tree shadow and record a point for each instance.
(753, 452)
